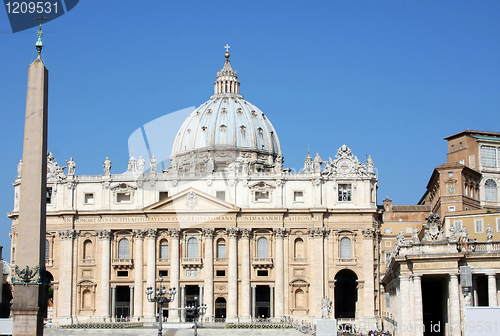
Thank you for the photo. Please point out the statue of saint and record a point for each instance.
(19, 168)
(326, 307)
(107, 166)
(278, 167)
(141, 164)
(153, 165)
(317, 163)
(71, 166)
(489, 233)
(400, 238)
(414, 235)
(369, 163)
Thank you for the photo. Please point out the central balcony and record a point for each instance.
(262, 262)
(122, 263)
(192, 262)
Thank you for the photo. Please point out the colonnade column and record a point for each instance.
(271, 301)
(232, 286)
(174, 272)
(245, 275)
(104, 235)
(279, 297)
(131, 313)
(254, 288)
(418, 309)
(139, 272)
(113, 303)
(182, 294)
(208, 262)
(317, 234)
(454, 306)
(492, 290)
(150, 314)
(404, 318)
(66, 283)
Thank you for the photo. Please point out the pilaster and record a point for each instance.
(150, 314)
(208, 264)
(139, 273)
(245, 275)
(232, 293)
(104, 235)
(174, 271)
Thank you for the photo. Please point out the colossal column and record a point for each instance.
(317, 235)
(279, 296)
(174, 272)
(208, 262)
(104, 235)
(245, 275)
(405, 318)
(66, 282)
(151, 273)
(30, 292)
(232, 276)
(139, 272)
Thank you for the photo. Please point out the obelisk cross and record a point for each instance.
(39, 43)
(227, 47)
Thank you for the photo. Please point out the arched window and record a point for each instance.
(299, 248)
(47, 250)
(345, 248)
(164, 249)
(87, 249)
(192, 248)
(262, 248)
(490, 191)
(123, 248)
(221, 248)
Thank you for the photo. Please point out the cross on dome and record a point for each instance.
(227, 46)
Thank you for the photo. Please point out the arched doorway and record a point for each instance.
(220, 309)
(49, 312)
(346, 294)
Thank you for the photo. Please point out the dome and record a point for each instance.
(226, 128)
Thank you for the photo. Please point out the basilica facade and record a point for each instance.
(225, 224)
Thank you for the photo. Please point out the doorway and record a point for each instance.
(122, 302)
(346, 294)
(262, 302)
(192, 297)
(434, 306)
(220, 310)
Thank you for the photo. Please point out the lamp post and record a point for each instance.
(197, 312)
(159, 297)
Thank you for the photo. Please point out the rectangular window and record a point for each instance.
(122, 273)
(261, 196)
(478, 226)
(387, 256)
(451, 209)
(498, 224)
(89, 198)
(262, 273)
(460, 146)
(123, 198)
(388, 230)
(344, 192)
(457, 224)
(49, 195)
(452, 148)
(221, 273)
(221, 195)
(298, 196)
(387, 300)
(488, 156)
(409, 230)
(163, 273)
(388, 244)
(162, 195)
(164, 251)
(221, 250)
(462, 162)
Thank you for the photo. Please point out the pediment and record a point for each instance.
(261, 186)
(192, 200)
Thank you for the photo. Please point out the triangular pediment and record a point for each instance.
(192, 200)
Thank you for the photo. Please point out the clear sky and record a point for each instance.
(387, 78)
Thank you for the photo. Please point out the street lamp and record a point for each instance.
(197, 312)
(159, 297)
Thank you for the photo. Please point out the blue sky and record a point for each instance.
(387, 78)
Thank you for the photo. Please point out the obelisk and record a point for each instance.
(30, 292)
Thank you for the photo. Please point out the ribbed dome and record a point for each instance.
(227, 127)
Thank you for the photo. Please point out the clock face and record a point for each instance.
(345, 166)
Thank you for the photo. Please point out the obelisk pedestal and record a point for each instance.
(30, 293)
